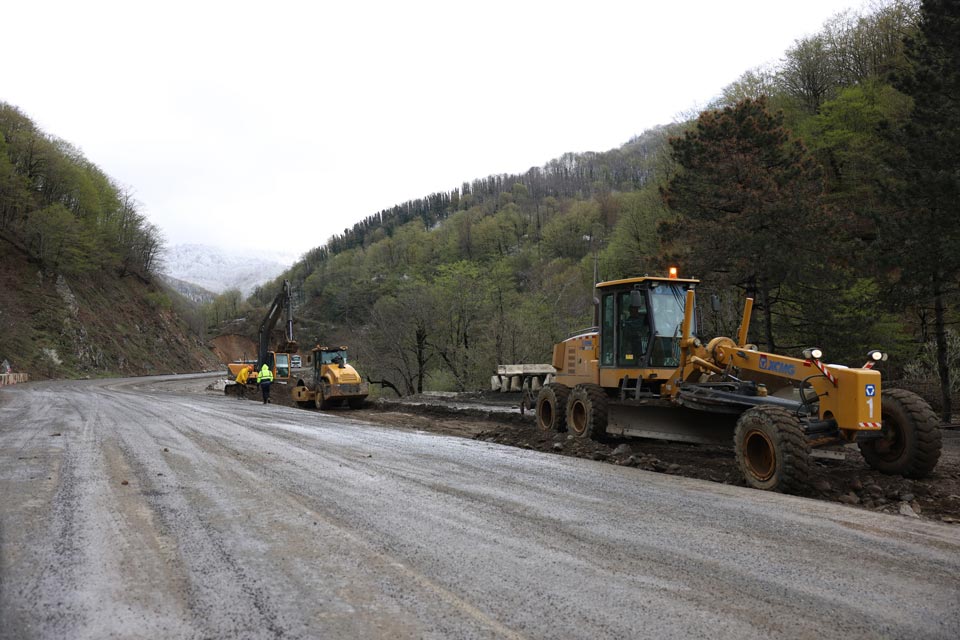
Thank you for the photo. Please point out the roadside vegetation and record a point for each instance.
(79, 292)
(64, 212)
(824, 186)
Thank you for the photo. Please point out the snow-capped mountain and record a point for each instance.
(217, 269)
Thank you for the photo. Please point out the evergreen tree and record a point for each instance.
(749, 202)
(923, 237)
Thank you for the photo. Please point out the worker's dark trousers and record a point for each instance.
(265, 388)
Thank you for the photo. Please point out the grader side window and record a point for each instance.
(608, 321)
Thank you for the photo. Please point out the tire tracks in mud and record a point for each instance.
(212, 464)
(196, 516)
(397, 575)
(668, 570)
(204, 570)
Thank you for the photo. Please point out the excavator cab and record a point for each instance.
(281, 365)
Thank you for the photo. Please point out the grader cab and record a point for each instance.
(644, 372)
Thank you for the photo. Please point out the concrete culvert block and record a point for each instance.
(494, 383)
(515, 383)
(535, 383)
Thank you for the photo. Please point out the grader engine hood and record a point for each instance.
(575, 359)
(849, 396)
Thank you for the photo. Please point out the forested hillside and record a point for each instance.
(825, 186)
(78, 292)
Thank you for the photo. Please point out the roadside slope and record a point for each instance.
(96, 325)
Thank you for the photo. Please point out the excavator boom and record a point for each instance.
(281, 305)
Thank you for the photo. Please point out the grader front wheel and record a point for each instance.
(910, 442)
(772, 452)
(587, 411)
(552, 407)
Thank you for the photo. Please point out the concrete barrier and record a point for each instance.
(522, 377)
(13, 378)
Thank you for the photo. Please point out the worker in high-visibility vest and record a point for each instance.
(264, 378)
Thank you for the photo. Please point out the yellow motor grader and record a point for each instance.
(334, 381)
(643, 372)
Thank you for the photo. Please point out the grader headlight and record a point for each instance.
(873, 357)
(813, 353)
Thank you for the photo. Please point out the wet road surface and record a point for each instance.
(143, 508)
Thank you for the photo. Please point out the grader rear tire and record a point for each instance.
(772, 452)
(910, 445)
(587, 412)
(552, 407)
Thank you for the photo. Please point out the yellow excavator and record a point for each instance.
(644, 372)
(278, 360)
(334, 382)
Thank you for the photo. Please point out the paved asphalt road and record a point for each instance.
(139, 509)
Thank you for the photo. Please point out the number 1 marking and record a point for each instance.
(870, 406)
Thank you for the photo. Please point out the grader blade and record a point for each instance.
(670, 423)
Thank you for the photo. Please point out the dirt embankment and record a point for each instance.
(231, 347)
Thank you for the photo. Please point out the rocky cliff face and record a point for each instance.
(54, 326)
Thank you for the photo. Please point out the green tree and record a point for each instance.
(13, 190)
(569, 234)
(807, 74)
(462, 297)
(48, 233)
(634, 246)
(398, 337)
(846, 137)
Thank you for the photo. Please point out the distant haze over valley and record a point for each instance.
(217, 269)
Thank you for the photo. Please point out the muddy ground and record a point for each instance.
(848, 481)
(496, 417)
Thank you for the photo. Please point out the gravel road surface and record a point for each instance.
(143, 508)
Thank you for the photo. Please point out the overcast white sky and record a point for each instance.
(275, 125)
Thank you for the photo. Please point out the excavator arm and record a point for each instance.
(281, 305)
